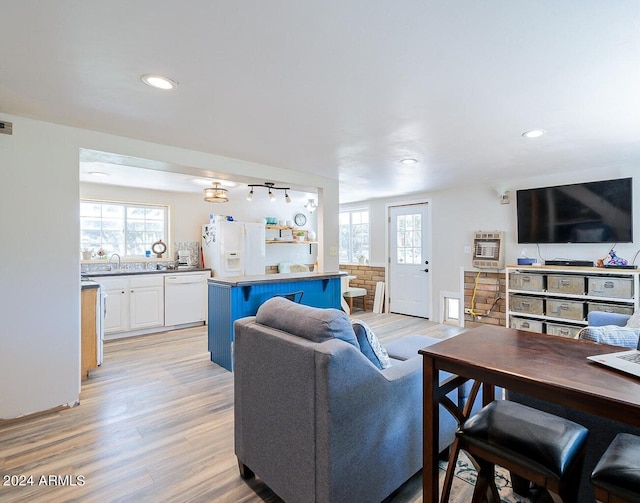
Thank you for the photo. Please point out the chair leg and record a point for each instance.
(451, 468)
(485, 489)
(351, 304)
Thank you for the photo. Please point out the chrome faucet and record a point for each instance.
(115, 255)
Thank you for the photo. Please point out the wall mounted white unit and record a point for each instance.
(488, 250)
(234, 248)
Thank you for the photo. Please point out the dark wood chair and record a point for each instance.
(545, 449)
(616, 477)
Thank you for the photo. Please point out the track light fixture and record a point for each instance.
(271, 186)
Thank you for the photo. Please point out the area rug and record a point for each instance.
(467, 473)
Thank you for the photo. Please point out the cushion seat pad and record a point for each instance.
(408, 347)
(538, 440)
(618, 471)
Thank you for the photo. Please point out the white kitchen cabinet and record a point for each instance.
(116, 317)
(133, 302)
(146, 302)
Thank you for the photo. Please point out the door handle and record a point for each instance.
(426, 270)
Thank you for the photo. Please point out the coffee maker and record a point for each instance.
(184, 259)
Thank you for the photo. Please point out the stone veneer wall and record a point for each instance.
(366, 277)
(490, 286)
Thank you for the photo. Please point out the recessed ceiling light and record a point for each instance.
(408, 161)
(534, 133)
(159, 82)
(98, 173)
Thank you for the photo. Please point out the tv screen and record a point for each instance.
(594, 212)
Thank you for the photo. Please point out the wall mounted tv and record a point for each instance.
(593, 212)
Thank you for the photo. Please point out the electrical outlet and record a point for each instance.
(467, 249)
(467, 310)
(333, 251)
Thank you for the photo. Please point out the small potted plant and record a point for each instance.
(86, 254)
(361, 259)
(300, 235)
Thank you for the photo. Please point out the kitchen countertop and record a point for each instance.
(87, 284)
(273, 278)
(131, 272)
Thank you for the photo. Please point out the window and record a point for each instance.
(409, 239)
(126, 229)
(354, 235)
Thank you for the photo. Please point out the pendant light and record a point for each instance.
(216, 194)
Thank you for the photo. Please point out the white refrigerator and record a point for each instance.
(234, 248)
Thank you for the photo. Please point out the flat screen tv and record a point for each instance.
(593, 212)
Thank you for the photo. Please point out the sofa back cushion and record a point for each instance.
(311, 323)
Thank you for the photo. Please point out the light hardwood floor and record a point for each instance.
(155, 423)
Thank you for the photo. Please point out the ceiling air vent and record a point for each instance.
(6, 127)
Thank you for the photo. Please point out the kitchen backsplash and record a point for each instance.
(192, 246)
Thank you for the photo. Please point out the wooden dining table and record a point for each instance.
(543, 366)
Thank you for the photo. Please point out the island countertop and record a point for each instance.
(260, 279)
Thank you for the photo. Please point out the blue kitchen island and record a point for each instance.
(235, 297)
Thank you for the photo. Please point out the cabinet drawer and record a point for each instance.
(146, 280)
(617, 288)
(528, 282)
(525, 304)
(562, 330)
(565, 284)
(568, 309)
(528, 325)
(609, 308)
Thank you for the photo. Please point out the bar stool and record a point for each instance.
(545, 449)
(350, 292)
(616, 477)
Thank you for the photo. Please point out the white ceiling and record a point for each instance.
(345, 88)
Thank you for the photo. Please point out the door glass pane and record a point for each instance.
(409, 239)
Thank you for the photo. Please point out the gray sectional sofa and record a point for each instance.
(316, 417)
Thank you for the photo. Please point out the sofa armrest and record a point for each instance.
(600, 319)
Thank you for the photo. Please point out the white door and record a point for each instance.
(409, 280)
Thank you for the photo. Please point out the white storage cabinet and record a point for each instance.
(557, 300)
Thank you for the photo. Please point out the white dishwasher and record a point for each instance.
(185, 298)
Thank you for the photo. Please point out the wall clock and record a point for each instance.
(300, 219)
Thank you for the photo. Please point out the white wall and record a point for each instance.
(189, 211)
(40, 253)
(457, 213)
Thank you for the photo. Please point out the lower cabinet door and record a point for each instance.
(146, 307)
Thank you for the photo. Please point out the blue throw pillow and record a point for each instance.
(370, 345)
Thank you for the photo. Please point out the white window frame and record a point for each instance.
(127, 205)
(351, 258)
